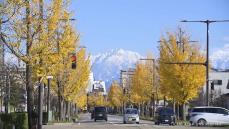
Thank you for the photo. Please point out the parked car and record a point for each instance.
(202, 116)
(99, 113)
(131, 115)
(165, 115)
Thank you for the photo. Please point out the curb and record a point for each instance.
(183, 123)
(62, 123)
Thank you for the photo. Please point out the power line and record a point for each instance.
(207, 22)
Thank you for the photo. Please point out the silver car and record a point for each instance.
(202, 116)
(131, 115)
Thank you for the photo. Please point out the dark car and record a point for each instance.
(165, 115)
(100, 113)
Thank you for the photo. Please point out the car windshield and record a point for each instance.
(166, 111)
(100, 109)
(131, 111)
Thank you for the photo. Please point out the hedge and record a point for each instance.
(19, 120)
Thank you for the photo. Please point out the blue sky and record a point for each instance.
(138, 24)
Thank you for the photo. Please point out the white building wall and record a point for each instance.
(224, 76)
(90, 82)
(93, 85)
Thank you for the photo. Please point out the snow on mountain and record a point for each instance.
(106, 66)
(220, 58)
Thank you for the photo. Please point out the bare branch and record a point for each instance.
(11, 48)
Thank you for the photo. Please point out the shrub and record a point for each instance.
(19, 120)
(7, 121)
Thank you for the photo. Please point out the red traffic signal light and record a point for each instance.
(73, 59)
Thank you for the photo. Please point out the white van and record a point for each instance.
(202, 116)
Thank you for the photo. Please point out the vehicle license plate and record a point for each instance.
(100, 114)
(166, 120)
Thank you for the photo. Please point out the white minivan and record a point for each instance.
(202, 116)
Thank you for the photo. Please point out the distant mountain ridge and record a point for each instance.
(106, 66)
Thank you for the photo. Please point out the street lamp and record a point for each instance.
(207, 22)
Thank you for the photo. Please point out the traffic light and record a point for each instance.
(212, 86)
(73, 58)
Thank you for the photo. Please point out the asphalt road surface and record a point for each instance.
(115, 122)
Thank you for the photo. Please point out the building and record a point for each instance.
(219, 91)
(96, 86)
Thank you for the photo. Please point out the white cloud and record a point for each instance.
(220, 58)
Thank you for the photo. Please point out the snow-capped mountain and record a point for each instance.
(106, 66)
(220, 58)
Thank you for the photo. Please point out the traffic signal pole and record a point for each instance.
(207, 66)
(207, 22)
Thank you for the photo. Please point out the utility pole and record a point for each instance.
(207, 22)
(182, 44)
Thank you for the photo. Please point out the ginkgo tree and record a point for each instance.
(180, 80)
(97, 99)
(115, 96)
(41, 35)
(143, 87)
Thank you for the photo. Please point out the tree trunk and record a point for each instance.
(174, 106)
(59, 100)
(67, 113)
(178, 111)
(183, 112)
(75, 109)
(29, 88)
(63, 109)
(71, 110)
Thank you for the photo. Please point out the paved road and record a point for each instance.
(115, 122)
